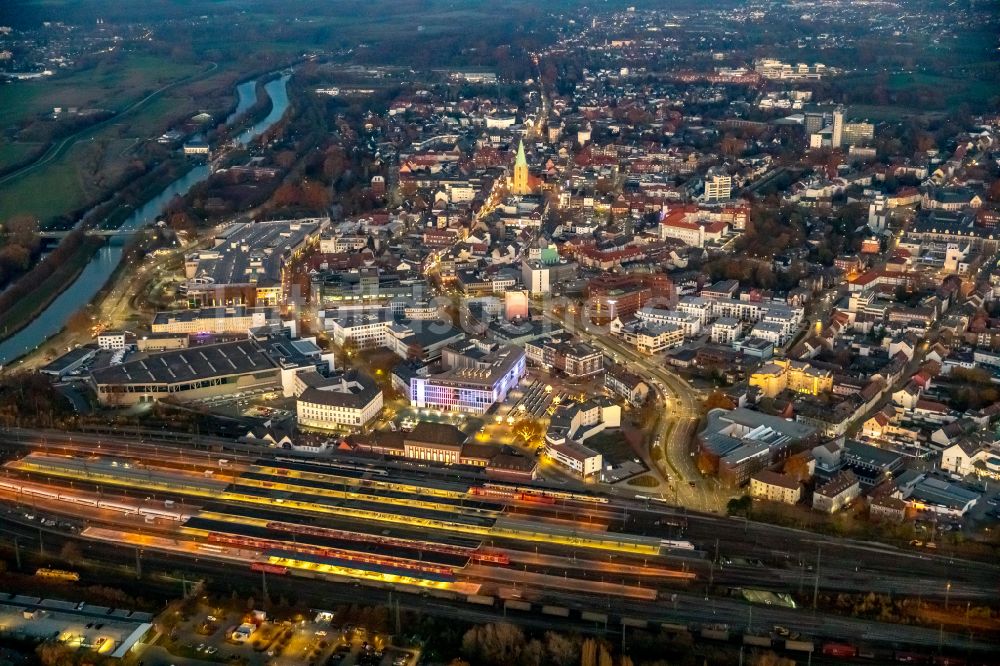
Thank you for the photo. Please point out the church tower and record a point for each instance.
(519, 184)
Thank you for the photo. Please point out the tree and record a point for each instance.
(533, 654)
(798, 467)
(53, 653)
(180, 221)
(739, 506)
(23, 230)
(733, 146)
(589, 656)
(287, 194)
(499, 644)
(528, 430)
(334, 164)
(285, 159)
(315, 195)
(718, 400)
(29, 397)
(993, 194)
(79, 321)
(561, 650)
(14, 258)
(771, 659)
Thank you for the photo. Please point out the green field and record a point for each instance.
(111, 84)
(15, 152)
(932, 95)
(86, 170)
(888, 113)
(45, 193)
(956, 90)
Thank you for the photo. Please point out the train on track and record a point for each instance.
(81, 500)
(58, 574)
(532, 494)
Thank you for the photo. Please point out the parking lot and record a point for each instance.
(206, 637)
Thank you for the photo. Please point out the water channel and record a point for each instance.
(97, 273)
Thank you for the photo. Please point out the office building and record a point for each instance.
(576, 360)
(113, 340)
(837, 134)
(858, 134)
(813, 123)
(648, 337)
(233, 319)
(837, 493)
(629, 386)
(576, 457)
(774, 487)
(539, 276)
(421, 339)
(737, 443)
(772, 68)
(247, 264)
(797, 376)
(349, 400)
(470, 381)
(516, 304)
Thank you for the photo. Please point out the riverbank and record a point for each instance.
(142, 190)
(33, 304)
(102, 270)
(114, 212)
(111, 306)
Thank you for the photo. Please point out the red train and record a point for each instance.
(848, 651)
(842, 650)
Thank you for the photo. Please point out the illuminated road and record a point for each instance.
(676, 427)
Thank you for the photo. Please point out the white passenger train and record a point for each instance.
(127, 509)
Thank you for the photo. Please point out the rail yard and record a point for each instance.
(457, 537)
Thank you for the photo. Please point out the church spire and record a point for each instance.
(520, 184)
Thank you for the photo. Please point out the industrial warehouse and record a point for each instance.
(188, 374)
(269, 362)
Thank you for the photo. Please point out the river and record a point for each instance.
(97, 273)
(246, 96)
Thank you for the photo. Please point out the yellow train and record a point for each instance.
(58, 574)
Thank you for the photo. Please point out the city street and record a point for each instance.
(680, 481)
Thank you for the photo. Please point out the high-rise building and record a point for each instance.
(858, 134)
(878, 216)
(718, 186)
(814, 122)
(837, 137)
